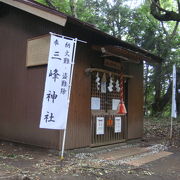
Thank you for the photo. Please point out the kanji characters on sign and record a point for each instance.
(57, 87)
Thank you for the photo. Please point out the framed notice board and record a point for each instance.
(37, 50)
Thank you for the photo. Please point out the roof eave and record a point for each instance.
(38, 10)
(154, 58)
(59, 18)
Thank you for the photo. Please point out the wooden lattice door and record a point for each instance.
(107, 126)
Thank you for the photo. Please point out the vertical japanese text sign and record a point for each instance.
(55, 104)
(173, 106)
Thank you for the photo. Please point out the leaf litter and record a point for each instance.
(37, 164)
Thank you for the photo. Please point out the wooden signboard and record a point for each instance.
(113, 64)
(37, 51)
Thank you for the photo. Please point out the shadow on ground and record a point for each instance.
(135, 160)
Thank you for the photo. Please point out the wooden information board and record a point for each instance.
(37, 51)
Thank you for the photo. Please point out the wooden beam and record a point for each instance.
(90, 70)
(127, 53)
(108, 54)
(122, 53)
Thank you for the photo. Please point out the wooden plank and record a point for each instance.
(79, 121)
(61, 20)
(107, 143)
(113, 64)
(135, 102)
(105, 71)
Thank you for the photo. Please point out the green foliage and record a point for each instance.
(137, 26)
(161, 39)
(170, 5)
(60, 5)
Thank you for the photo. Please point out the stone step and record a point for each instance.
(148, 158)
(123, 153)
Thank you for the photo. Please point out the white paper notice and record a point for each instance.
(55, 104)
(95, 103)
(115, 103)
(117, 128)
(103, 87)
(99, 125)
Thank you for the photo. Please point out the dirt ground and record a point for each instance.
(154, 157)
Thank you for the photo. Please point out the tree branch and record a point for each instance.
(162, 14)
(178, 3)
(73, 8)
(164, 29)
(174, 30)
(50, 4)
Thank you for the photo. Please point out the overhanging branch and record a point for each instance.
(50, 4)
(162, 14)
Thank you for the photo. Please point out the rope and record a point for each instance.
(121, 88)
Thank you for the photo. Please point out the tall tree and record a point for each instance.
(137, 26)
(162, 11)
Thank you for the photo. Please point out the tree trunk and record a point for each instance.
(160, 101)
(73, 8)
(157, 85)
(50, 4)
(159, 105)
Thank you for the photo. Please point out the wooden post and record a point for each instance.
(63, 145)
(171, 128)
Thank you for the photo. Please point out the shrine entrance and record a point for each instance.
(107, 127)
